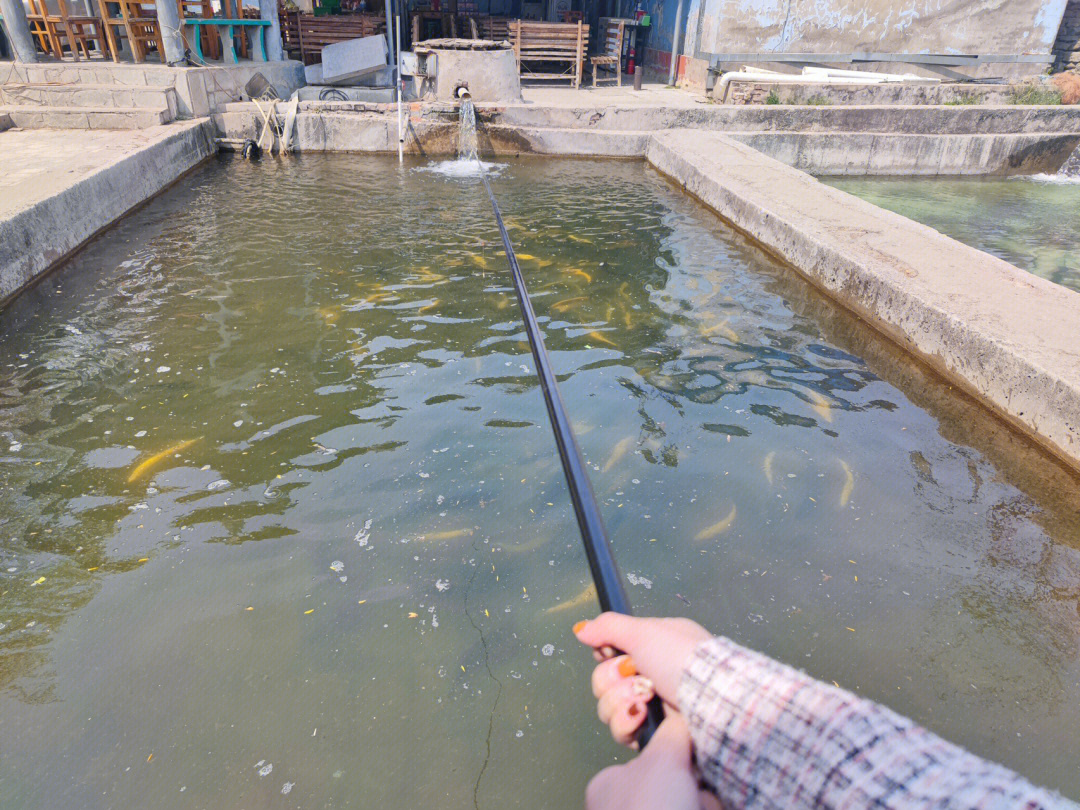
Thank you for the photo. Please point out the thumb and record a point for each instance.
(671, 745)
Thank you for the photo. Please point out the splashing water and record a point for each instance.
(1071, 167)
(467, 146)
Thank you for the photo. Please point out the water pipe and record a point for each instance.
(397, 81)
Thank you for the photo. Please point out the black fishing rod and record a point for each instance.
(605, 573)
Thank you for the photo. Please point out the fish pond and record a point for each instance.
(1029, 221)
(283, 524)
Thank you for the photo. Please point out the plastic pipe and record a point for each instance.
(397, 81)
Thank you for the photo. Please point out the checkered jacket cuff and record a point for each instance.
(768, 736)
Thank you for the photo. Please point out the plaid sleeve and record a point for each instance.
(769, 736)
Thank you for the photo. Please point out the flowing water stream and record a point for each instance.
(283, 525)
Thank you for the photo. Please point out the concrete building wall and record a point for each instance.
(889, 26)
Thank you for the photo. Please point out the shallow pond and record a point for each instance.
(284, 526)
(1031, 222)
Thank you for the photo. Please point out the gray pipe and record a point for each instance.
(18, 30)
(391, 59)
(675, 43)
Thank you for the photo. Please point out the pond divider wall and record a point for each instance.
(1007, 337)
(47, 230)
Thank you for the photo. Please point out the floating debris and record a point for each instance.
(634, 579)
(363, 536)
(337, 566)
(548, 650)
(288, 786)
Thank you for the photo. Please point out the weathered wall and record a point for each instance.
(1067, 46)
(899, 26)
(885, 26)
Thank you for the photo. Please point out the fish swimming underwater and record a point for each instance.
(717, 528)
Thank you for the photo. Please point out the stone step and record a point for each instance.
(27, 117)
(5, 121)
(87, 95)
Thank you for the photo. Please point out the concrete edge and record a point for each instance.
(34, 240)
(1011, 341)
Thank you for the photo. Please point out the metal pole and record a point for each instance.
(675, 43)
(18, 30)
(397, 81)
(605, 572)
(390, 34)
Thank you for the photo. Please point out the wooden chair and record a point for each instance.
(611, 43)
(44, 29)
(547, 44)
(137, 21)
(496, 29)
(198, 10)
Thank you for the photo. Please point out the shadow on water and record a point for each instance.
(293, 405)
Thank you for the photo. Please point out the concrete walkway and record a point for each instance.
(60, 187)
(1009, 338)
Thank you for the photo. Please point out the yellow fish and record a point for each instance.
(448, 535)
(560, 306)
(768, 466)
(598, 336)
(849, 484)
(581, 239)
(618, 452)
(717, 528)
(724, 330)
(157, 457)
(426, 307)
(585, 597)
(820, 404)
(525, 257)
(522, 548)
(478, 260)
(581, 273)
(329, 315)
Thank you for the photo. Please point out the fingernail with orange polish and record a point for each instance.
(579, 626)
(627, 668)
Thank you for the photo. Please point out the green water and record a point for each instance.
(1031, 222)
(360, 566)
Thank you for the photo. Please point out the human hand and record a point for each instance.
(661, 776)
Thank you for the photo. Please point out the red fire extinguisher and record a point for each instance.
(630, 62)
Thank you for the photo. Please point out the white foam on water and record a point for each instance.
(1052, 179)
(461, 168)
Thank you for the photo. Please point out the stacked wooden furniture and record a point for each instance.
(307, 34)
(496, 29)
(79, 31)
(548, 44)
(611, 45)
(137, 21)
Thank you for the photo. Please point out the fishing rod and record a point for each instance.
(605, 573)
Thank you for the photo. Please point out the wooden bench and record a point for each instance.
(611, 44)
(549, 43)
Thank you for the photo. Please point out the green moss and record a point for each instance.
(818, 101)
(772, 98)
(1035, 95)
